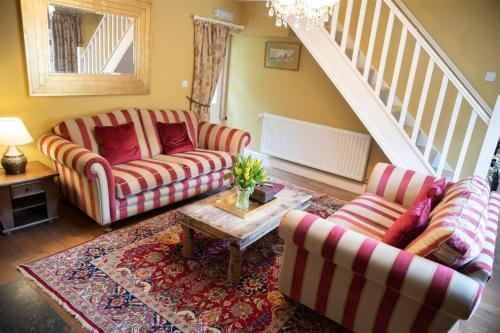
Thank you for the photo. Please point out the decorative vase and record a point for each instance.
(243, 198)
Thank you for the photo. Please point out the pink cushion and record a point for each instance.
(118, 144)
(174, 138)
(457, 226)
(409, 225)
(435, 191)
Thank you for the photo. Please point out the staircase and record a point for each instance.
(113, 37)
(415, 103)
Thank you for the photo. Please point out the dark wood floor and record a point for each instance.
(73, 228)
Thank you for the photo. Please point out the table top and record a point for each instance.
(203, 216)
(34, 170)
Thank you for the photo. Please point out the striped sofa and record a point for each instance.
(111, 193)
(340, 268)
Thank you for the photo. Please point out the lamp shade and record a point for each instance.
(13, 132)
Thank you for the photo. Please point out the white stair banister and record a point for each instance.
(490, 142)
(397, 118)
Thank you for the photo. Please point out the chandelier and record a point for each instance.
(311, 12)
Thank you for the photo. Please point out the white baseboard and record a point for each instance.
(310, 173)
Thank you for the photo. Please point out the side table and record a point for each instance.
(28, 199)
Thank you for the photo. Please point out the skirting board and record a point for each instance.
(310, 173)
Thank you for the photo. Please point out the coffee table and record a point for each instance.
(204, 217)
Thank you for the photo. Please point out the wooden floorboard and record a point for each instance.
(73, 228)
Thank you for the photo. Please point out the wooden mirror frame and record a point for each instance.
(36, 39)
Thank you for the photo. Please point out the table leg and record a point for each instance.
(235, 261)
(187, 243)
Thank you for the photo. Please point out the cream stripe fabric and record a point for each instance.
(368, 214)
(200, 161)
(81, 130)
(216, 137)
(424, 283)
(394, 183)
(151, 117)
(457, 227)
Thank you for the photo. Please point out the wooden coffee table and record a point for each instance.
(204, 217)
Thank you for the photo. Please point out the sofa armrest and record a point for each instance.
(433, 285)
(87, 165)
(217, 137)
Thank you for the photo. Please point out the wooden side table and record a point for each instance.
(28, 199)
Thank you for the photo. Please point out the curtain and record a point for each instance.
(210, 43)
(66, 37)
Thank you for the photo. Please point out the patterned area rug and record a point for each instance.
(136, 280)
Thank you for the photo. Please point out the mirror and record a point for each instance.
(92, 47)
(88, 42)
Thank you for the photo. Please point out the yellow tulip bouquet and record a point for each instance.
(247, 173)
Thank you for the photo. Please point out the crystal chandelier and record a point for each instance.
(311, 12)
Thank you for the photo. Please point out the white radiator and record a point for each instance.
(329, 149)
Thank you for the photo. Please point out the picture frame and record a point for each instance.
(282, 55)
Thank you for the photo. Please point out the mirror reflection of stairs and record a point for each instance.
(110, 45)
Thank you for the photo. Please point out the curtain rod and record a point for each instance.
(206, 19)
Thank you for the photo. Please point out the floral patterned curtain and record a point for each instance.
(66, 37)
(210, 44)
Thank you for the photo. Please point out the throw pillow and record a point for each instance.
(457, 226)
(174, 138)
(118, 144)
(433, 190)
(409, 225)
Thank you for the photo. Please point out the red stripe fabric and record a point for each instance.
(358, 281)
(299, 238)
(84, 133)
(384, 180)
(433, 299)
(404, 186)
(394, 282)
(328, 269)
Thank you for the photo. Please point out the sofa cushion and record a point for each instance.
(146, 174)
(151, 117)
(457, 226)
(81, 130)
(368, 214)
(118, 144)
(200, 161)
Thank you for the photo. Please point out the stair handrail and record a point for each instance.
(441, 58)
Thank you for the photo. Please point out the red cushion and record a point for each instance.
(434, 191)
(174, 138)
(409, 225)
(118, 144)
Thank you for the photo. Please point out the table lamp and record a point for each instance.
(13, 133)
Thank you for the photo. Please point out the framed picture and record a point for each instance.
(282, 55)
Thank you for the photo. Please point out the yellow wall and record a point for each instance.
(172, 62)
(469, 32)
(90, 21)
(306, 94)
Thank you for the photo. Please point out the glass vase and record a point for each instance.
(243, 198)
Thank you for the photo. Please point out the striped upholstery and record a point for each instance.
(368, 214)
(216, 137)
(151, 117)
(109, 194)
(146, 174)
(457, 226)
(81, 130)
(367, 285)
(397, 184)
(200, 161)
(85, 178)
(171, 193)
(481, 268)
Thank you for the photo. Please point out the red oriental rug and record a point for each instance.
(136, 280)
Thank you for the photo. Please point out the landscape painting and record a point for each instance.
(281, 55)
